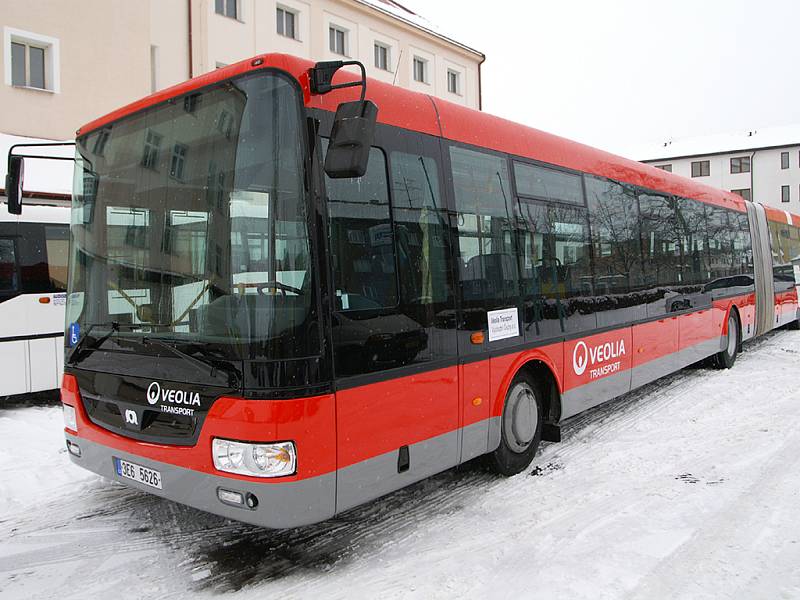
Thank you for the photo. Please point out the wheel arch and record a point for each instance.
(544, 371)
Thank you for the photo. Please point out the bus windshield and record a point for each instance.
(190, 225)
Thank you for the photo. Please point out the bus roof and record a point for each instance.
(425, 114)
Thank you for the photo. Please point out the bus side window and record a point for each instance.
(32, 257)
(362, 245)
(487, 252)
(8, 266)
(57, 243)
(694, 244)
(730, 251)
(556, 251)
(422, 240)
(365, 321)
(660, 241)
(614, 223)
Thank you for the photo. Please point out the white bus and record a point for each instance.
(34, 251)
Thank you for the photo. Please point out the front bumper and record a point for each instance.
(280, 504)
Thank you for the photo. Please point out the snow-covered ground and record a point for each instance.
(688, 488)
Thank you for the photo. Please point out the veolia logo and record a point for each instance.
(153, 392)
(580, 358)
(582, 355)
(156, 393)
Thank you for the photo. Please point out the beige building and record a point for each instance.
(65, 63)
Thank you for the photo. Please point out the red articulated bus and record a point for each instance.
(277, 311)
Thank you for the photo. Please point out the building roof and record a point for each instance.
(398, 11)
(42, 177)
(770, 137)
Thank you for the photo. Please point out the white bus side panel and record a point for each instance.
(14, 369)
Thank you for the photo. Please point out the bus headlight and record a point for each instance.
(70, 420)
(256, 460)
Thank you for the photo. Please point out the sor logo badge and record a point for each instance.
(131, 418)
(580, 358)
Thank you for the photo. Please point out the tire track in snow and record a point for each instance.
(210, 554)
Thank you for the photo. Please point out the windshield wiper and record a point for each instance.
(204, 364)
(115, 326)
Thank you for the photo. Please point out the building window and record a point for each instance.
(701, 168)
(744, 193)
(784, 161)
(338, 40)
(740, 164)
(420, 70)
(382, 57)
(453, 82)
(784, 193)
(227, 8)
(667, 168)
(287, 21)
(27, 66)
(178, 161)
(152, 145)
(31, 60)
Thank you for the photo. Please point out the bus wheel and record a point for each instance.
(794, 325)
(521, 427)
(726, 358)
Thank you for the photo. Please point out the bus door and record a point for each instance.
(13, 346)
(43, 256)
(490, 318)
(393, 321)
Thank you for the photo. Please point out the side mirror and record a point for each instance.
(351, 138)
(14, 179)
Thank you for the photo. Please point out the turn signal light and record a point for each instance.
(44, 300)
(477, 337)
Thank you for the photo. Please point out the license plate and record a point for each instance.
(138, 473)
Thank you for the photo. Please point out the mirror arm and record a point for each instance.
(48, 144)
(322, 77)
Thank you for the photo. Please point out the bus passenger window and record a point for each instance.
(693, 249)
(614, 223)
(421, 230)
(57, 242)
(427, 315)
(362, 245)
(8, 270)
(486, 238)
(556, 269)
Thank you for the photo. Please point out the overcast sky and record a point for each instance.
(620, 74)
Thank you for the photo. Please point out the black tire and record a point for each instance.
(725, 358)
(517, 445)
(794, 325)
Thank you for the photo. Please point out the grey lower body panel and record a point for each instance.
(587, 396)
(280, 505)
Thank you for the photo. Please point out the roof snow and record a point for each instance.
(403, 13)
(771, 137)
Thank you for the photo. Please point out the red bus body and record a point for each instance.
(347, 440)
